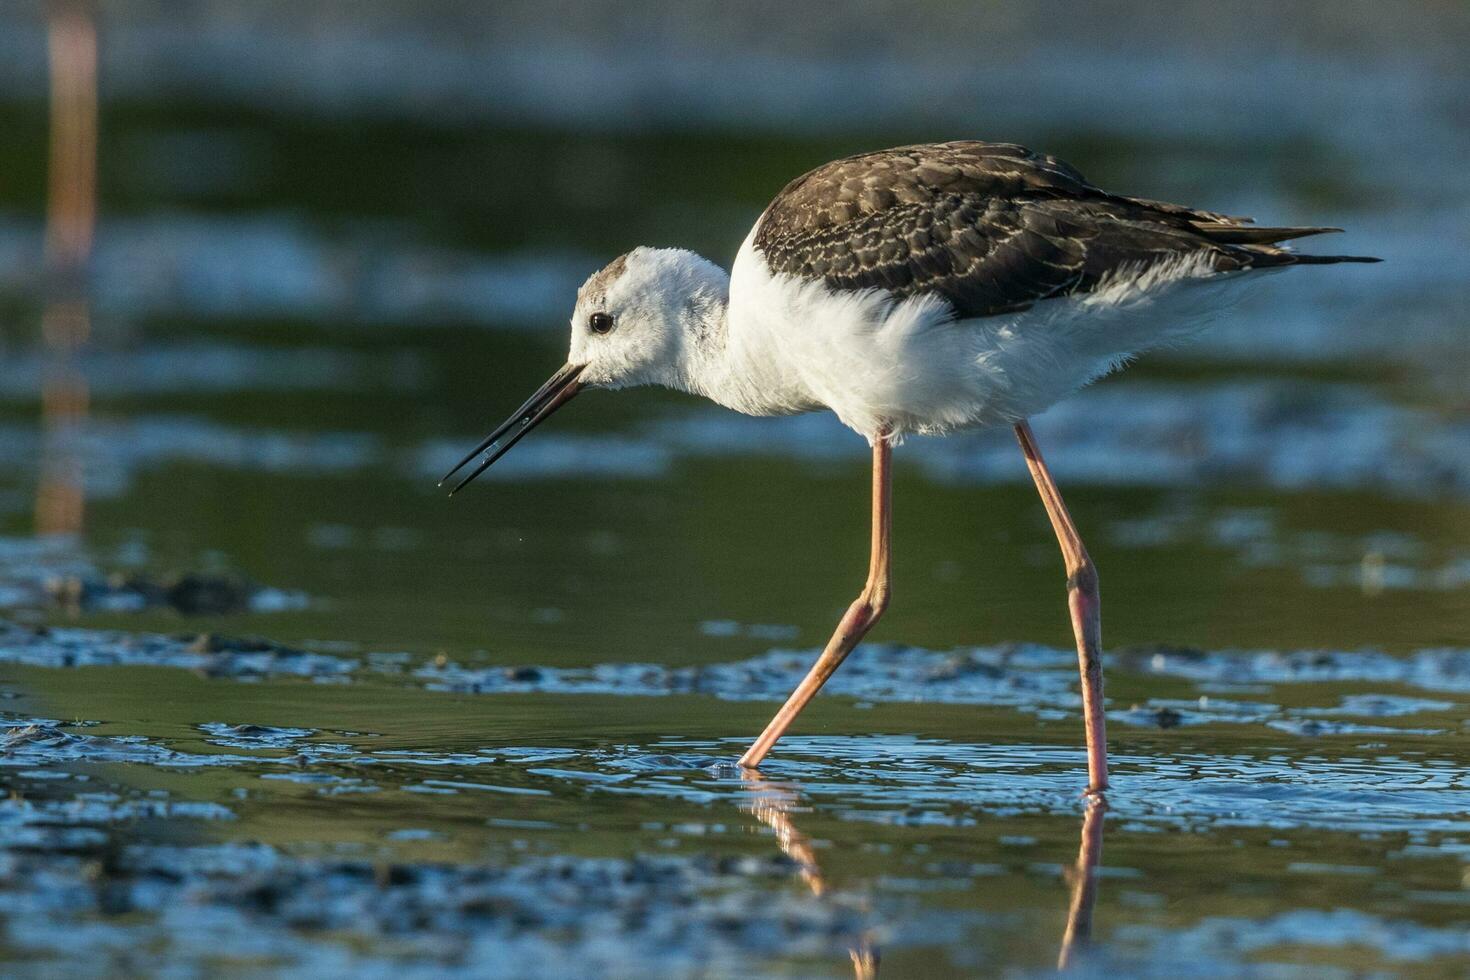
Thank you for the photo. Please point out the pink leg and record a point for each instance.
(1084, 883)
(1082, 600)
(860, 616)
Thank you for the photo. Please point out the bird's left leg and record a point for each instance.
(858, 619)
(1082, 601)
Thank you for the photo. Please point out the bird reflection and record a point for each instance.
(773, 804)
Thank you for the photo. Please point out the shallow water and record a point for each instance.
(496, 734)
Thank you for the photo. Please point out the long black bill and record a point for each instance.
(556, 392)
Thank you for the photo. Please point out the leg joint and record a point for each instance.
(1084, 579)
(873, 601)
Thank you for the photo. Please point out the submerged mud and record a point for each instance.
(240, 658)
(95, 872)
(83, 887)
(59, 572)
(1232, 686)
(80, 890)
(1033, 679)
(241, 906)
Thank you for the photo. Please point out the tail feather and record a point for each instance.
(1300, 259)
(1234, 234)
(1264, 247)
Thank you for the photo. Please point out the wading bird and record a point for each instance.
(922, 289)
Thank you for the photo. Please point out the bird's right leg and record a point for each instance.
(1082, 602)
(858, 619)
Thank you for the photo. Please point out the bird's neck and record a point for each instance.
(715, 362)
(704, 329)
(701, 323)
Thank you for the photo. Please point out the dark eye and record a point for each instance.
(600, 322)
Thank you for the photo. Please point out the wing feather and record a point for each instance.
(991, 227)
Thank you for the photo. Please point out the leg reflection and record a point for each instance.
(71, 216)
(1083, 879)
(772, 804)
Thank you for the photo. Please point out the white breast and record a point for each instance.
(909, 366)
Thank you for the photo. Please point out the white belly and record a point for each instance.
(909, 366)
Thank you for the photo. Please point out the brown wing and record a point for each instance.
(991, 227)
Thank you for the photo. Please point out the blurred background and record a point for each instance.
(268, 269)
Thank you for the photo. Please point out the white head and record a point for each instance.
(652, 316)
(646, 317)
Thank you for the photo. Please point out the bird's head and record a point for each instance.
(636, 317)
(640, 320)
